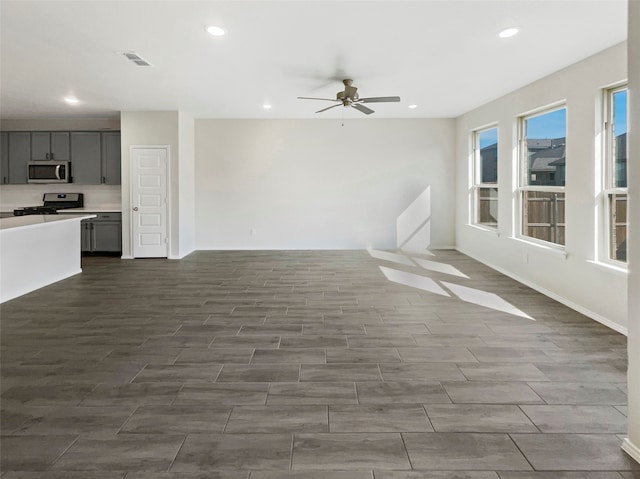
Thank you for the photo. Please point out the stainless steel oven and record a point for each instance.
(49, 172)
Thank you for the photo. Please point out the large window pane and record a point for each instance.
(620, 138)
(618, 226)
(488, 206)
(543, 215)
(488, 140)
(545, 137)
(615, 191)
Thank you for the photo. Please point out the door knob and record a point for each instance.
(135, 208)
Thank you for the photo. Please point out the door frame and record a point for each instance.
(167, 148)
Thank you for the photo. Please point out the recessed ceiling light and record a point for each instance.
(71, 100)
(215, 31)
(413, 106)
(508, 32)
(266, 106)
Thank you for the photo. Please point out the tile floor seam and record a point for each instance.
(64, 451)
(529, 418)
(291, 450)
(406, 451)
(328, 419)
(215, 380)
(138, 373)
(184, 439)
(424, 408)
(127, 420)
(226, 423)
(521, 451)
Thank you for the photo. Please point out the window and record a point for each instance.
(542, 156)
(485, 166)
(616, 173)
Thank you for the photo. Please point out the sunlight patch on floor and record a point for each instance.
(413, 280)
(393, 257)
(440, 267)
(483, 298)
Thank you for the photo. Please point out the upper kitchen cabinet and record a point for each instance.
(95, 157)
(111, 158)
(86, 157)
(4, 157)
(19, 153)
(52, 145)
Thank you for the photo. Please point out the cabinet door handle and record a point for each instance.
(104, 179)
(52, 155)
(46, 155)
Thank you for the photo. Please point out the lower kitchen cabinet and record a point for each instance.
(4, 157)
(102, 234)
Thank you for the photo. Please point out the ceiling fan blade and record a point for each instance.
(328, 108)
(312, 98)
(380, 99)
(362, 108)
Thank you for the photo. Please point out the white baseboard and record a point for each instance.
(631, 449)
(126, 257)
(560, 299)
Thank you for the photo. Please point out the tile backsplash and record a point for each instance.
(95, 196)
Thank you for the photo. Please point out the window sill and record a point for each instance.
(485, 229)
(609, 267)
(547, 248)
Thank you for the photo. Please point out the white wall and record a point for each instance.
(575, 278)
(633, 444)
(186, 180)
(305, 184)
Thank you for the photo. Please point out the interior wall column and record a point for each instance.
(632, 444)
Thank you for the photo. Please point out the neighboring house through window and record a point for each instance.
(485, 176)
(542, 154)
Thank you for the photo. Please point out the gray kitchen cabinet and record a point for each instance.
(111, 158)
(86, 153)
(52, 145)
(4, 157)
(102, 234)
(107, 236)
(95, 156)
(19, 156)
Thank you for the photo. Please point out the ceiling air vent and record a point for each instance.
(137, 59)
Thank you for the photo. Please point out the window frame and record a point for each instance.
(523, 172)
(476, 177)
(609, 188)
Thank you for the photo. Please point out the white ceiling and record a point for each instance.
(445, 56)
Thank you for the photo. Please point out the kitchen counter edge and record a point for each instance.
(32, 221)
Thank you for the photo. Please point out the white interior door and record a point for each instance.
(149, 202)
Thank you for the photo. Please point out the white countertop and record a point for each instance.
(89, 209)
(38, 220)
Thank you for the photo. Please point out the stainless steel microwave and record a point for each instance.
(49, 172)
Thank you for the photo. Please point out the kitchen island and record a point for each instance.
(37, 250)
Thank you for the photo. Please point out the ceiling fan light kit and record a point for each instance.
(349, 98)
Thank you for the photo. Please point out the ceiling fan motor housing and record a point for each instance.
(347, 96)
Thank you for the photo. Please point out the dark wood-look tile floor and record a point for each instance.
(306, 364)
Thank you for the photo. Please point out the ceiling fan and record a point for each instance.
(349, 98)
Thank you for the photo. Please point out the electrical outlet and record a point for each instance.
(253, 232)
(525, 258)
